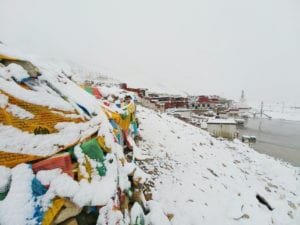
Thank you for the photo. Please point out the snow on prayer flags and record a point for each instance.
(101, 142)
(117, 132)
(41, 130)
(93, 150)
(85, 170)
(37, 187)
(88, 89)
(96, 93)
(93, 155)
(45, 112)
(5, 57)
(32, 70)
(40, 119)
(93, 91)
(62, 161)
(42, 114)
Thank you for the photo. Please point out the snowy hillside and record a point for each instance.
(201, 180)
(72, 161)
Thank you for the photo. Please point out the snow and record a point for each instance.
(44, 145)
(140, 175)
(64, 186)
(124, 171)
(137, 153)
(82, 193)
(110, 217)
(221, 121)
(292, 114)
(106, 91)
(72, 91)
(46, 176)
(45, 95)
(17, 72)
(136, 213)
(153, 86)
(156, 215)
(98, 191)
(38, 98)
(284, 111)
(19, 112)
(107, 187)
(3, 101)
(201, 180)
(18, 205)
(5, 175)
(53, 80)
(67, 115)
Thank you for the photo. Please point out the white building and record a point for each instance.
(225, 128)
(184, 113)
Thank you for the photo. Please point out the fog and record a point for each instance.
(202, 46)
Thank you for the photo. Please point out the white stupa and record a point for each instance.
(242, 104)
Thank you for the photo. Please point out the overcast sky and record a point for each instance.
(202, 46)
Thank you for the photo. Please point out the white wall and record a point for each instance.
(222, 130)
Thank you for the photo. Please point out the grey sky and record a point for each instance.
(202, 46)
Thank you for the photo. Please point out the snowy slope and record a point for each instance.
(205, 181)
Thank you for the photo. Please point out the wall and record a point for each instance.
(185, 114)
(147, 103)
(222, 130)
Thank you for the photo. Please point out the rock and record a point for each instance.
(290, 214)
(170, 216)
(71, 221)
(69, 210)
(124, 202)
(85, 218)
(244, 216)
(292, 205)
(268, 189)
(272, 185)
(136, 196)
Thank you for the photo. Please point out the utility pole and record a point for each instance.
(261, 109)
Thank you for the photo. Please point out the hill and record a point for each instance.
(64, 161)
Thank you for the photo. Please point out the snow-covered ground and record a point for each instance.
(284, 111)
(201, 180)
